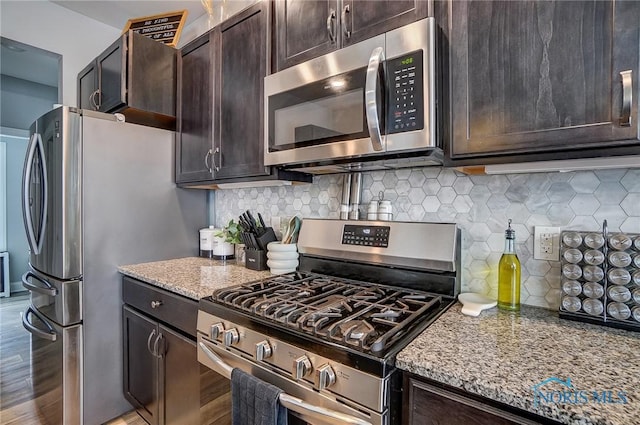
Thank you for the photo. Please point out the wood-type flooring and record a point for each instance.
(17, 406)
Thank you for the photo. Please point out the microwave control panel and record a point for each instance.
(405, 95)
(375, 236)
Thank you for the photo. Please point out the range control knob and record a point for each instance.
(324, 377)
(230, 337)
(301, 367)
(216, 331)
(263, 350)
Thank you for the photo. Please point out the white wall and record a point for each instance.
(15, 142)
(51, 27)
(21, 101)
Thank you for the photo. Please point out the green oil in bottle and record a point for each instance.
(509, 274)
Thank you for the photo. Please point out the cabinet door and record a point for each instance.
(541, 76)
(239, 106)
(141, 366)
(363, 19)
(112, 76)
(430, 405)
(194, 119)
(151, 75)
(181, 379)
(304, 29)
(87, 86)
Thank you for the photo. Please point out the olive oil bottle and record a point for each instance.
(509, 274)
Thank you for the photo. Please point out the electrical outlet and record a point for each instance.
(546, 243)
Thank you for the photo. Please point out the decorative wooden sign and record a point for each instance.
(164, 28)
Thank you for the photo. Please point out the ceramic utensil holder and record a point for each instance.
(282, 258)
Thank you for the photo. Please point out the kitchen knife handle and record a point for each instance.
(627, 98)
(331, 29)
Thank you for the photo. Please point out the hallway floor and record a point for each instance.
(17, 406)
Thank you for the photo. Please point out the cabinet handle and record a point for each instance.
(156, 304)
(92, 99)
(331, 28)
(156, 346)
(206, 160)
(343, 19)
(215, 165)
(627, 98)
(151, 335)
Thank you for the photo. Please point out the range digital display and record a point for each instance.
(374, 236)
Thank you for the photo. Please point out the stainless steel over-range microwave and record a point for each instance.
(367, 106)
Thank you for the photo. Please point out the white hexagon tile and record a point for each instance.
(481, 205)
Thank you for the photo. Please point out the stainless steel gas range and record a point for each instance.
(329, 333)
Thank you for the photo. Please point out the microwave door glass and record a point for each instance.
(321, 112)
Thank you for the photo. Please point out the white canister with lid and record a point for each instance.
(385, 211)
(212, 246)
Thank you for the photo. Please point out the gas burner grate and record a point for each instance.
(365, 316)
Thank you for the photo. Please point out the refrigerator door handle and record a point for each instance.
(34, 144)
(50, 334)
(47, 290)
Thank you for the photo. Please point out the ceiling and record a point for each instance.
(32, 64)
(116, 13)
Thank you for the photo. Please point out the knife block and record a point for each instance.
(256, 259)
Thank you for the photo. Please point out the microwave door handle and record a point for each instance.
(46, 290)
(49, 335)
(35, 144)
(290, 402)
(371, 98)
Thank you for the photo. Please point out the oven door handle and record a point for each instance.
(371, 98)
(288, 401)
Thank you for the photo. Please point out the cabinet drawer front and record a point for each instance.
(162, 305)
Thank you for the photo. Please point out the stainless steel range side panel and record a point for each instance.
(351, 384)
(426, 246)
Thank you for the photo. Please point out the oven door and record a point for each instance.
(305, 405)
(327, 108)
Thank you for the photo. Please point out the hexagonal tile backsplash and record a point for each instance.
(481, 205)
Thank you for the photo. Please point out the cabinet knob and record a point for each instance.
(231, 337)
(324, 377)
(301, 367)
(156, 304)
(263, 350)
(216, 331)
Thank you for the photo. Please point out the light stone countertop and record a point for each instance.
(504, 356)
(193, 277)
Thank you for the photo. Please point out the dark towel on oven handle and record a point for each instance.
(255, 402)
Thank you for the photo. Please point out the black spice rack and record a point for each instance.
(600, 281)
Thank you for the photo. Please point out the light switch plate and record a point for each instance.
(546, 243)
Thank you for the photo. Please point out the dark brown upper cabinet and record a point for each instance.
(532, 80)
(220, 89)
(307, 29)
(220, 120)
(135, 76)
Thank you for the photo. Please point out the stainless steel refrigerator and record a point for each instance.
(97, 193)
